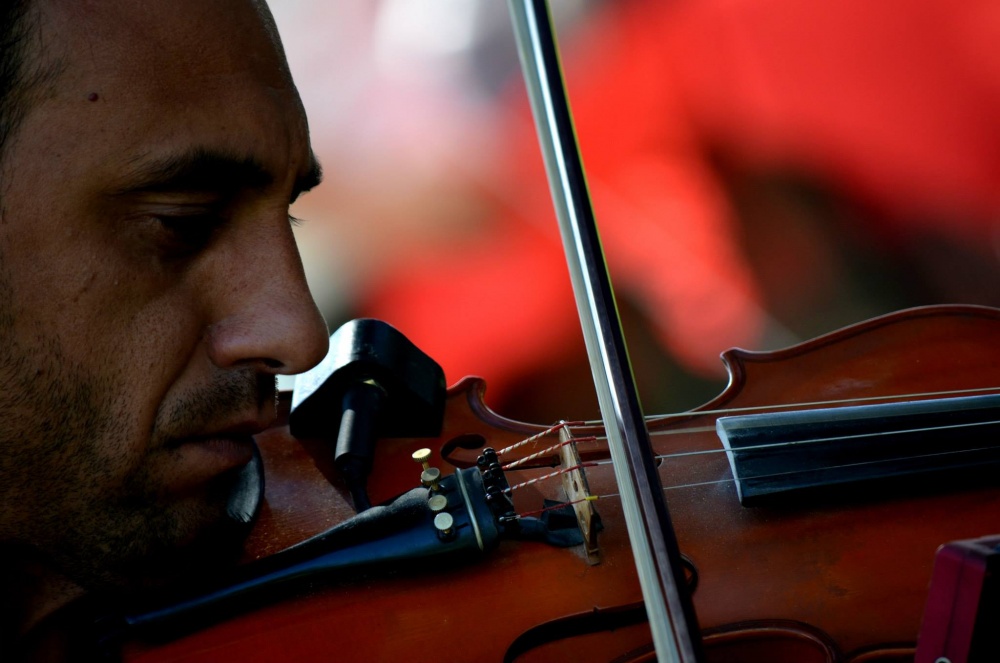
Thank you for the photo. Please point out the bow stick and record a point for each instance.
(654, 544)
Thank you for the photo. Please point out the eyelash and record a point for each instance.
(189, 232)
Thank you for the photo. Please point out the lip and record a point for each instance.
(196, 462)
(220, 452)
(214, 451)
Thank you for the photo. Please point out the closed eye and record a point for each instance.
(188, 233)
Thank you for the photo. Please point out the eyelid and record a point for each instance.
(180, 208)
(182, 211)
(182, 230)
(179, 197)
(203, 218)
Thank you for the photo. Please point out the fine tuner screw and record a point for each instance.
(445, 526)
(431, 475)
(437, 503)
(423, 456)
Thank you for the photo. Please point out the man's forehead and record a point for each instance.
(195, 37)
(174, 86)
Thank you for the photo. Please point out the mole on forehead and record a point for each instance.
(166, 64)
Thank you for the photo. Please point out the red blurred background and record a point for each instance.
(762, 171)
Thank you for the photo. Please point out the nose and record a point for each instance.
(265, 317)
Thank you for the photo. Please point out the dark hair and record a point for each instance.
(15, 81)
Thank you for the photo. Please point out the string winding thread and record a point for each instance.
(548, 431)
(522, 461)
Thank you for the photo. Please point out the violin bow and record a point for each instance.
(654, 544)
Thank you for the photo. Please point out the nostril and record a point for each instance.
(272, 363)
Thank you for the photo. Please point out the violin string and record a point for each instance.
(807, 404)
(952, 452)
(708, 429)
(548, 431)
(818, 440)
(550, 475)
(825, 468)
(773, 445)
(654, 419)
(729, 480)
(554, 447)
(766, 445)
(560, 505)
(833, 438)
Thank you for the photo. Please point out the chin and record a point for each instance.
(160, 544)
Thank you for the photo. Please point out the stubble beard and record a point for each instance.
(65, 437)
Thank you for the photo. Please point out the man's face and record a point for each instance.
(150, 288)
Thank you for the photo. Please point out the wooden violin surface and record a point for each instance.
(837, 575)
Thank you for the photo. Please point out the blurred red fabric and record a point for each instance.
(892, 104)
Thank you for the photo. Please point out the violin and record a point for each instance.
(807, 501)
(827, 562)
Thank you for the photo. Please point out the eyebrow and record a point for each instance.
(311, 179)
(204, 170)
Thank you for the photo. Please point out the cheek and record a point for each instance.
(153, 352)
(126, 339)
(62, 441)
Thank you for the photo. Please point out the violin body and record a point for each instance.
(835, 575)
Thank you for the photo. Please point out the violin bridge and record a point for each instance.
(578, 494)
